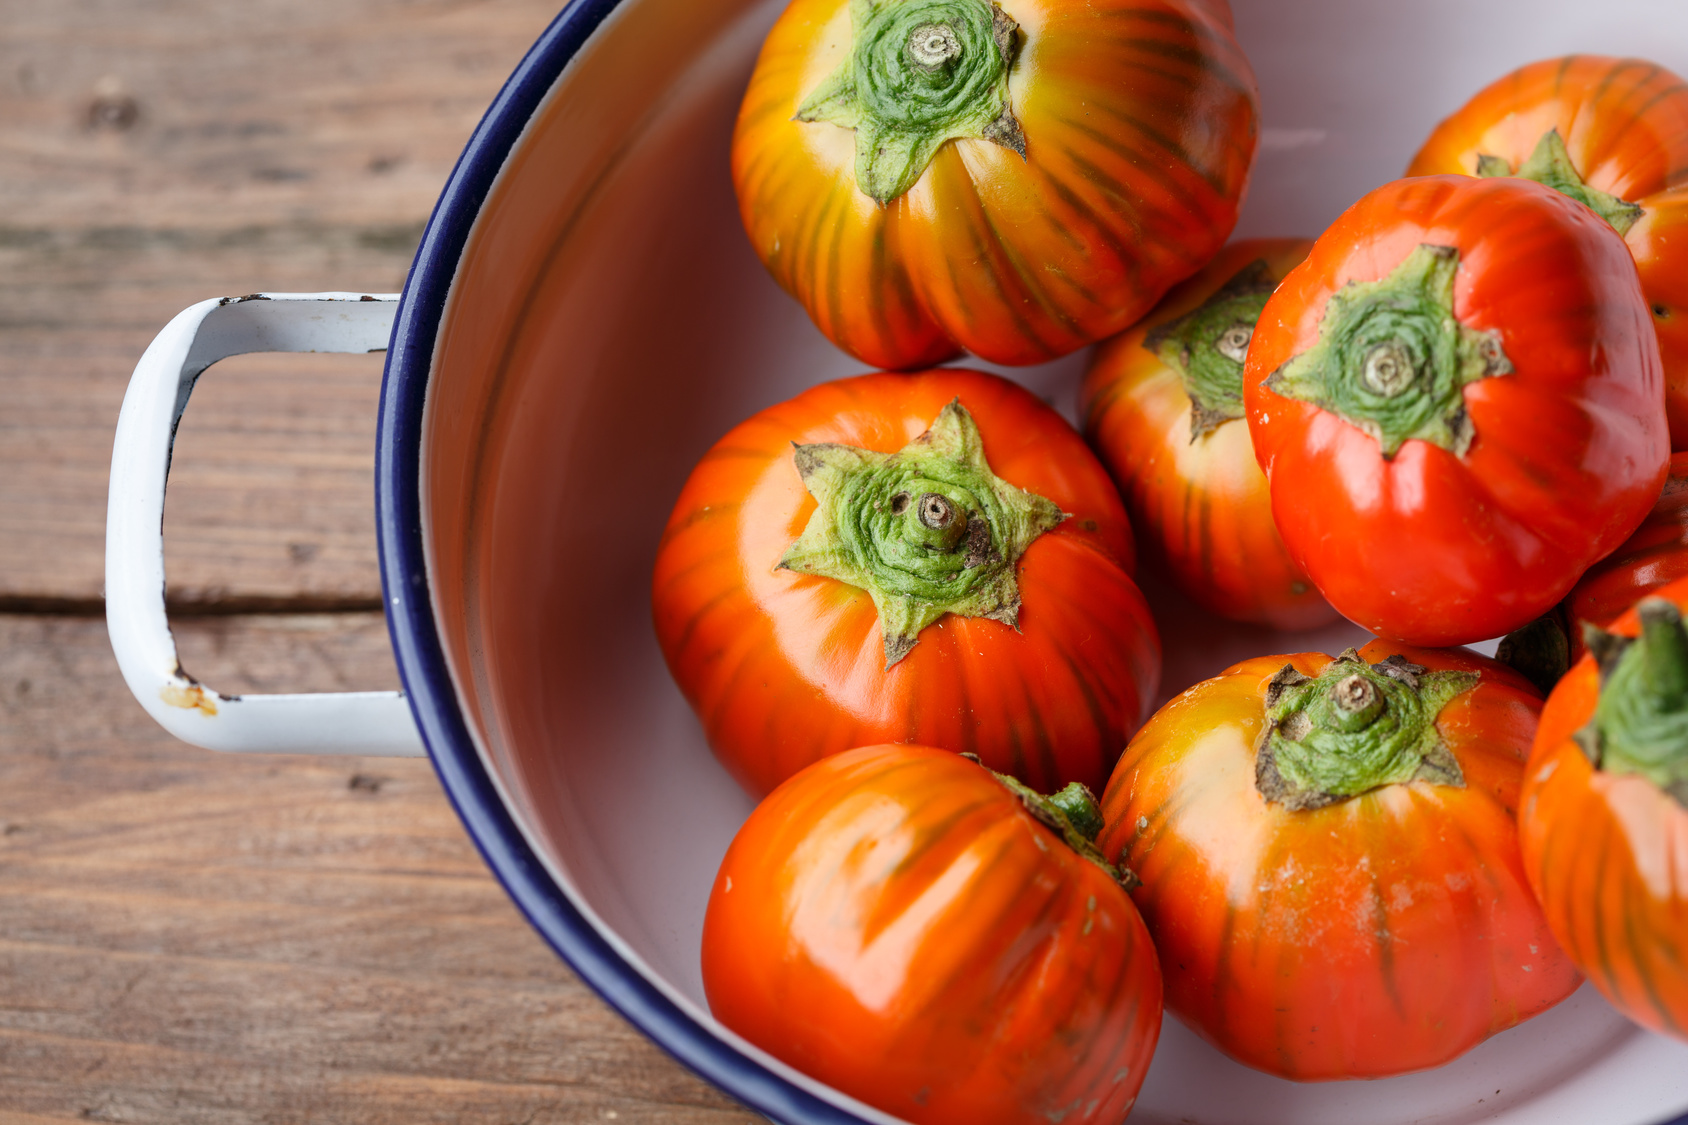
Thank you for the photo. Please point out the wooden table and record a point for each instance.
(186, 936)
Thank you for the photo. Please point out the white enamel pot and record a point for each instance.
(584, 318)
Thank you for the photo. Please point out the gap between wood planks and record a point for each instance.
(31, 605)
(190, 938)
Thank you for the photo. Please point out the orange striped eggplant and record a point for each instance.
(1163, 406)
(1458, 402)
(1016, 179)
(939, 943)
(1611, 133)
(1330, 863)
(1604, 822)
(932, 558)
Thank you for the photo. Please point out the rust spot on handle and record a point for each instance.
(189, 696)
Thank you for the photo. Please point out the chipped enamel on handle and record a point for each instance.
(372, 722)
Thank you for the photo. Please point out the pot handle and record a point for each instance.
(365, 722)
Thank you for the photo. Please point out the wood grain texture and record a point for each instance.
(160, 152)
(190, 937)
(187, 937)
(272, 487)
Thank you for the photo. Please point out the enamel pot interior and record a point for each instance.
(586, 317)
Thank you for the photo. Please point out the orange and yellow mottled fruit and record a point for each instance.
(1016, 180)
(1162, 406)
(1604, 820)
(1330, 863)
(897, 923)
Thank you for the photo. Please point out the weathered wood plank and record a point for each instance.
(185, 936)
(191, 115)
(272, 492)
(192, 937)
(159, 153)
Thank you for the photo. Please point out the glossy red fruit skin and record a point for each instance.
(1655, 556)
(1625, 127)
(893, 922)
(1387, 933)
(1607, 855)
(1571, 449)
(785, 668)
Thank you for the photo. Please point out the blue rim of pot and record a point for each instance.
(416, 640)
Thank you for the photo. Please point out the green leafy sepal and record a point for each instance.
(1640, 724)
(1208, 345)
(1550, 165)
(1353, 728)
(1539, 651)
(926, 531)
(1392, 359)
(1073, 814)
(919, 73)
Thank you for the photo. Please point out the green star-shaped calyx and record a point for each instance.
(919, 73)
(1640, 722)
(1207, 346)
(1550, 164)
(1393, 360)
(1072, 814)
(1353, 728)
(927, 530)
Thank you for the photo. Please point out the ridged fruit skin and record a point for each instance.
(785, 668)
(1607, 854)
(893, 922)
(1386, 933)
(1571, 448)
(1201, 506)
(1625, 126)
(1140, 121)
